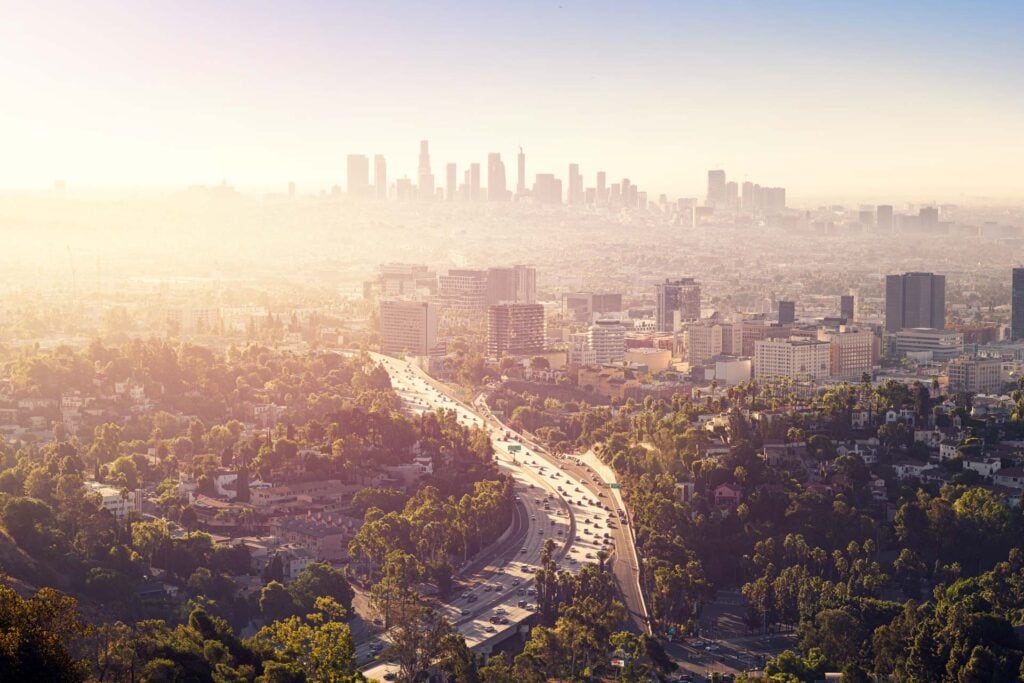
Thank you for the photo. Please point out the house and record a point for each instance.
(1009, 477)
(686, 490)
(860, 419)
(986, 467)
(727, 495)
(909, 469)
(905, 415)
(324, 536)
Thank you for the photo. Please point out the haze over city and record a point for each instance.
(535, 342)
(870, 101)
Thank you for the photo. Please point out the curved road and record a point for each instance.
(551, 504)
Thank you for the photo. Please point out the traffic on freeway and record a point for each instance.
(497, 593)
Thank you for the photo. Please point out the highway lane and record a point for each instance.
(624, 562)
(494, 588)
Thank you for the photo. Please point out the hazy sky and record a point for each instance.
(873, 100)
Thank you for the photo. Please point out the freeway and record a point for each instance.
(495, 592)
(593, 476)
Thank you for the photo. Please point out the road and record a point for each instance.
(593, 476)
(550, 504)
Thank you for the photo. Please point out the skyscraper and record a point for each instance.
(883, 217)
(425, 189)
(677, 301)
(602, 190)
(496, 189)
(1017, 305)
(915, 300)
(408, 327)
(846, 307)
(787, 312)
(928, 219)
(521, 177)
(358, 179)
(575, 195)
(380, 177)
(451, 182)
(515, 329)
(547, 189)
(474, 182)
(716, 187)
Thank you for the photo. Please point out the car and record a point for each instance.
(530, 591)
(464, 612)
(490, 629)
(521, 604)
(589, 556)
(540, 532)
(522, 551)
(712, 648)
(487, 589)
(515, 582)
(559, 532)
(503, 620)
(390, 676)
(464, 595)
(500, 610)
(472, 598)
(532, 517)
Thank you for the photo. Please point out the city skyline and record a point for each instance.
(282, 95)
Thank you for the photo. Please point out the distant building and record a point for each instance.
(883, 217)
(408, 327)
(846, 307)
(608, 340)
(975, 375)
(581, 305)
(1017, 305)
(677, 301)
(497, 191)
(703, 341)
(451, 182)
(915, 300)
(521, 176)
(716, 188)
(380, 177)
(547, 189)
(464, 290)
(852, 353)
(787, 312)
(935, 344)
(515, 330)
(515, 284)
(798, 359)
(425, 189)
(358, 178)
(115, 500)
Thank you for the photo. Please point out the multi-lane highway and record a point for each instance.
(595, 477)
(496, 592)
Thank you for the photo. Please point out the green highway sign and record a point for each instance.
(515, 448)
(615, 485)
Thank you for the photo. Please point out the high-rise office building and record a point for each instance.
(716, 187)
(575, 185)
(496, 189)
(451, 182)
(846, 307)
(732, 194)
(883, 217)
(516, 284)
(380, 176)
(1017, 304)
(474, 182)
(408, 327)
(608, 340)
(425, 189)
(515, 330)
(358, 179)
(521, 175)
(798, 359)
(928, 219)
(464, 290)
(602, 190)
(787, 312)
(915, 300)
(677, 301)
(547, 189)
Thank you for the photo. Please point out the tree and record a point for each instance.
(318, 580)
(276, 602)
(36, 635)
(320, 646)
